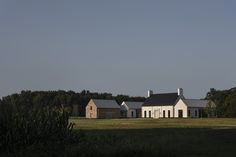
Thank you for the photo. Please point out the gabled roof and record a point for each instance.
(100, 103)
(196, 102)
(133, 105)
(165, 99)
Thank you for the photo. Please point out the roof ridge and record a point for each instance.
(164, 93)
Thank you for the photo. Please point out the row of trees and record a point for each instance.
(225, 101)
(65, 98)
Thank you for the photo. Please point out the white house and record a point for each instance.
(173, 105)
(192, 108)
(161, 105)
(131, 109)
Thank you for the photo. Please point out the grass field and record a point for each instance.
(159, 137)
(101, 124)
(145, 137)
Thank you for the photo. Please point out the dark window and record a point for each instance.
(188, 113)
(168, 113)
(164, 114)
(145, 114)
(132, 114)
(180, 113)
(195, 113)
(200, 113)
(137, 113)
(150, 115)
(91, 108)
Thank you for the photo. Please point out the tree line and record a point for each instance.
(66, 98)
(225, 101)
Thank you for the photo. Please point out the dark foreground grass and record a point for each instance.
(178, 139)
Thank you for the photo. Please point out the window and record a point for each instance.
(168, 113)
(200, 113)
(145, 114)
(150, 114)
(132, 114)
(195, 113)
(180, 113)
(164, 114)
(91, 108)
(188, 113)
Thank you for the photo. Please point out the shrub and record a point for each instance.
(25, 125)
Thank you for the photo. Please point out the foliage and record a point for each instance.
(65, 98)
(26, 125)
(210, 110)
(225, 101)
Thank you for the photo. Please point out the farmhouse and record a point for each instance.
(160, 105)
(131, 109)
(193, 108)
(102, 109)
(173, 105)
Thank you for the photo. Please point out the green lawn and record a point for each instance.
(159, 137)
(101, 124)
(145, 137)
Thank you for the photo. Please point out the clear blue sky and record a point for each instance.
(117, 46)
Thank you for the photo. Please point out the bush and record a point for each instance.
(25, 125)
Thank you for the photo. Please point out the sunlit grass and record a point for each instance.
(88, 124)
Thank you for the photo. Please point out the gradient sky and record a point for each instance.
(117, 46)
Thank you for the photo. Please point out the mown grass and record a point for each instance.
(147, 137)
(159, 137)
(100, 124)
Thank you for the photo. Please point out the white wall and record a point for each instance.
(157, 111)
(129, 113)
(180, 105)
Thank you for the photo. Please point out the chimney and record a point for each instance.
(180, 92)
(150, 92)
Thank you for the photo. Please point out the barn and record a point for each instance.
(98, 108)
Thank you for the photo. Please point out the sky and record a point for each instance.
(118, 46)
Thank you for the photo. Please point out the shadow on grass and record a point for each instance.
(162, 142)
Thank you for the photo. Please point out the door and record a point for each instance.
(180, 113)
(156, 113)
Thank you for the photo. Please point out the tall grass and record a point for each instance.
(22, 126)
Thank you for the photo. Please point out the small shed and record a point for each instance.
(99, 108)
(131, 109)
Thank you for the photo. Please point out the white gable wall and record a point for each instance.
(124, 107)
(180, 105)
(129, 113)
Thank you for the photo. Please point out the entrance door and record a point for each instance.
(157, 113)
(180, 113)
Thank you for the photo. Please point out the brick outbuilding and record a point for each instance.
(98, 108)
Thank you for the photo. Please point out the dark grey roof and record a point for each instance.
(100, 103)
(165, 99)
(133, 105)
(197, 103)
